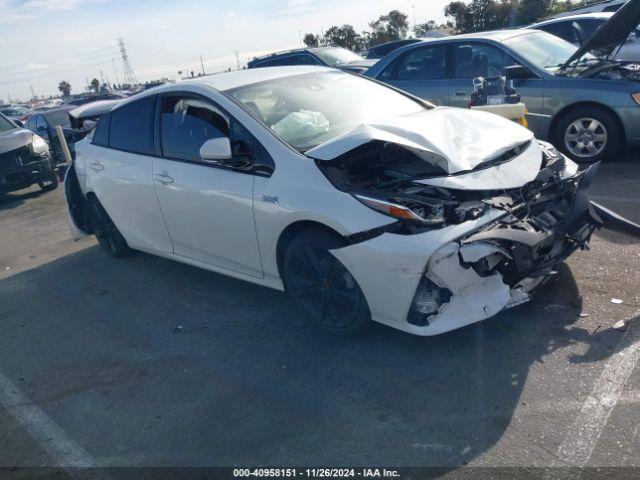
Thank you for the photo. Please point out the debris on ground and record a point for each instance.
(582, 315)
(621, 325)
(617, 301)
(178, 329)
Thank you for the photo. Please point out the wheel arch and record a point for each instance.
(552, 134)
(291, 231)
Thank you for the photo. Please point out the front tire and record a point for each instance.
(106, 232)
(322, 286)
(588, 134)
(51, 183)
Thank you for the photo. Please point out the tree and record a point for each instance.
(422, 28)
(94, 85)
(65, 88)
(530, 11)
(311, 40)
(387, 28)
(345, 36)
(480, 15)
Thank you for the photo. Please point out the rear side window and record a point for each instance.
(186, 123)
(132, 127)
(101, 134)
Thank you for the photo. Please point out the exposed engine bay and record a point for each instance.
(614, 71)
(484, 270)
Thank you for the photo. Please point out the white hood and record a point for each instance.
(460, 139)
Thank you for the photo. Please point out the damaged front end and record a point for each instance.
(470, 253)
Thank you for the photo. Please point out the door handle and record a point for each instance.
(460, 93)
(96, 166)
(164, 178)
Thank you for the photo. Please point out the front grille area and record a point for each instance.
(15, 158)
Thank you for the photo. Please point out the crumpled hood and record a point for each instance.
(460, 139)
(14, 138)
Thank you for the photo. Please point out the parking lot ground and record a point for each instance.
(147, 362)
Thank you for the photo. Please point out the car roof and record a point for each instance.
(495, 35)
(579, 16)
(241, 78)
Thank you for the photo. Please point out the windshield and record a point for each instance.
(310, 109)
(545, 51)
(5, 124)
(60, 117)
(335, 57)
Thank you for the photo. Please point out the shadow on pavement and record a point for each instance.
(145, 361)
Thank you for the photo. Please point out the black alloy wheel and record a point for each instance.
(322, 286)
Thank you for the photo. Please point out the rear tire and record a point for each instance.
(588, 135)
(106, 232)
(322, 286)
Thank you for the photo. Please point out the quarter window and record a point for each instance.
(132, 126)
(478, 60)
(187, 123)
(565, 30)
(101, 134)
(424, 63)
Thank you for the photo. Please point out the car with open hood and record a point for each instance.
(576, 97)
(578, 29)
(24, 159)
(361, 201)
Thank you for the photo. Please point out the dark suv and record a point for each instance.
(24, 159)
(334, 57)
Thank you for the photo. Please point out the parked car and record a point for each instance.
(604, 6)
(45, 123)
(87, 115)
(383, 49)
(577, 29)
(361, 201)
(24, 159)
(16, 113)
(335, 57)
(584, 103)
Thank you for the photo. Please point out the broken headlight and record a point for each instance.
(426, 210)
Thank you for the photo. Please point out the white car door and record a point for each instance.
(207, 206)
(119, 167)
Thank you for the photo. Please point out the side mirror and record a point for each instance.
(518, 72)
(216, 150)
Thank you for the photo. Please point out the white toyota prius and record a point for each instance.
(361, 201)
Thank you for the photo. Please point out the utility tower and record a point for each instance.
(128, 75)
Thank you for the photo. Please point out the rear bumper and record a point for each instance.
(469, 272)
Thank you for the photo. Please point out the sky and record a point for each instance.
(45, 41)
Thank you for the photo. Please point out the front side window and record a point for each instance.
(187, 123)
(40, 123)
(132, 126)
(472, 60)
(309, 109)
(5, 124)
(423, 63)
